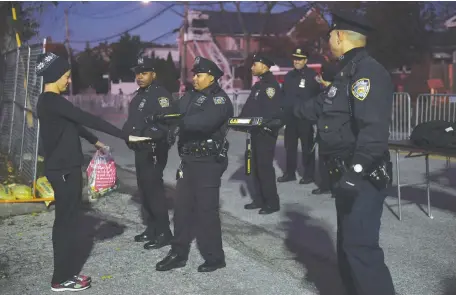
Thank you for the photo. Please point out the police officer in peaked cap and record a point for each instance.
(150, 159)
(264, 101)
(353, 117)
(203, 151)
(299, 84)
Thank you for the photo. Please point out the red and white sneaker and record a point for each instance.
(70, 285)
(83, 278)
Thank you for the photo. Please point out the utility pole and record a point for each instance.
(68, 48)
(184, 37)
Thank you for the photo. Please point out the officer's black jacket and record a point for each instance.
(363, 88)
(153, 100)
(265, 99)
(206, 114)
(299, 85)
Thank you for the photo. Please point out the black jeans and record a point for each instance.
(67, 186)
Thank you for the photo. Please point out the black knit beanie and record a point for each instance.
(51, 67)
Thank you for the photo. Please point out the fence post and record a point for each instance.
(14, 101)
(25, 109)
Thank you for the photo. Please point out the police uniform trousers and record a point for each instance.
(197, 208)
(263, 172)
(67, 186)
(149, 176)
(360, 258)
(323, 173)
(299, 129)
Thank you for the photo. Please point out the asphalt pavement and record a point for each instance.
(289, 252)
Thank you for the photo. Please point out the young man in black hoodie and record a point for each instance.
(61, 125)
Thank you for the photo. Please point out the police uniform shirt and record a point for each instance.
(300, 84)
(153, 100)
(206, 114)
(356, 108)
(265, 98)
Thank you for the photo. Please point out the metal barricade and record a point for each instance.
(400, 127)
(430, 107)
(19, 126)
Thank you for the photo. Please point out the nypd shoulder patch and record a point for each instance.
(163, 101)
(270, 92)
(219, 100)
(360, 89)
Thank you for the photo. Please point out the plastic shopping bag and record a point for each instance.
(101, 174)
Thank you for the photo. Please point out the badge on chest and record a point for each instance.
(200, 100)
(141, 104)
(302, 84)
(332, 91)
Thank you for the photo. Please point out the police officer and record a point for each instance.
(264, 101)
(353, 117)
(328, 71)
(203, 149)
(150, 160)
(299, 84)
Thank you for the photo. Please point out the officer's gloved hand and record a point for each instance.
(349, 184)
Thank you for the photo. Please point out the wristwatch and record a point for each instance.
(358, 168)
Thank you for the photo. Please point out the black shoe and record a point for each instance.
(160, 241)
(144, 237)
(306, 181)
(319, 191)
(268, 210)
(251, 206)
(171, 261)
(286, 177)
(211, 266)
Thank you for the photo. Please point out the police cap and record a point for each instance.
(350, 21)
(144, 64)
(204, 65)
(258, 57)
(300, 52)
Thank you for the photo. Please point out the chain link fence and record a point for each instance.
(19, 126)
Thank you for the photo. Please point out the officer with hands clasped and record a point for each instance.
(203, 150)
(151, 158)
(353, 117)
(299, 84)
(264, 101)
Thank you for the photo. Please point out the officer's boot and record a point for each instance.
(161, 240)
(147, 235)
(171, 261)
(287, 177)
(209, 266)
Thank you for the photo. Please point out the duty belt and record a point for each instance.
(203, 148)
(379, 175)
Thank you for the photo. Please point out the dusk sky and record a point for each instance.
(98, 20)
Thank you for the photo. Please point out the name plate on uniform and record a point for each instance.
(245, 122)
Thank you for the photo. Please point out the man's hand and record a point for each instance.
(99, 145)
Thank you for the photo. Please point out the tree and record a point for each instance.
(26, 25)
(91, 68)
(123, 57)
(167, 74)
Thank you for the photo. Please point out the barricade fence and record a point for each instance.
(19, 126)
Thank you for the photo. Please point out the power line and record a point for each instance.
(128, 30)
(108, 16)
(166, 34)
